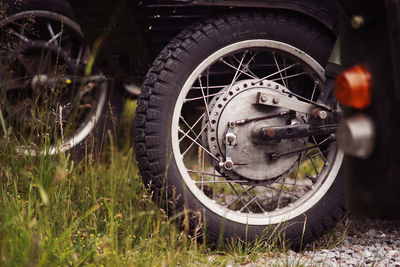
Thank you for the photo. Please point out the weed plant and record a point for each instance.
(56, 211)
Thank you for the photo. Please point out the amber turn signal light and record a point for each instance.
(353, 87)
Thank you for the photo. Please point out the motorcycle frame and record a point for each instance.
(143, 28)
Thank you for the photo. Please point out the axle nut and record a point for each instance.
(228, 165)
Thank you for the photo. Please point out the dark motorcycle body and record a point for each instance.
(373, 182)
(141, 29)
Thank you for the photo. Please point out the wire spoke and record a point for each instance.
(319, 153)
(246, 68)
(79, 57)
(288, 77)
(202, 168)
(205, 101)
(214, 185)
(195, 140)
(236, 76)
(241, 200)
(283, 191)
(313, 164)
(324, 141)
(211, 87)
(233, 67)
(187, 124)
(258, 204)
(297, 175)
(277, 72)
(54, 38)
(20, 36)
(319, 150)
(280, 73)
(51, 31)
(299, 185)
(197, 143)
(194, 125)
(204, 173)
(238, 196)
(220, 182)
(313, 92)
(280, 190)
(201, 97)
(254, 198)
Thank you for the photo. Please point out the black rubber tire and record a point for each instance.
(156, 104)
(108, 121)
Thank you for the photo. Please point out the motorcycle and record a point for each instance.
(53, 98)
(234, 129)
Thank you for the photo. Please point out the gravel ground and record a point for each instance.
(362, 242)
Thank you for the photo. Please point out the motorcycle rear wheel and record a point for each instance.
(180, 120)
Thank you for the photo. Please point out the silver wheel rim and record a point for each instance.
(309, 199)
(91, 120)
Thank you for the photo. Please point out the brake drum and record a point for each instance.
(250, 154)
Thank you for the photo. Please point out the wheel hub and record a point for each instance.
(242, 154)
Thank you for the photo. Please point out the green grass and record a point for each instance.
(60, 212)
